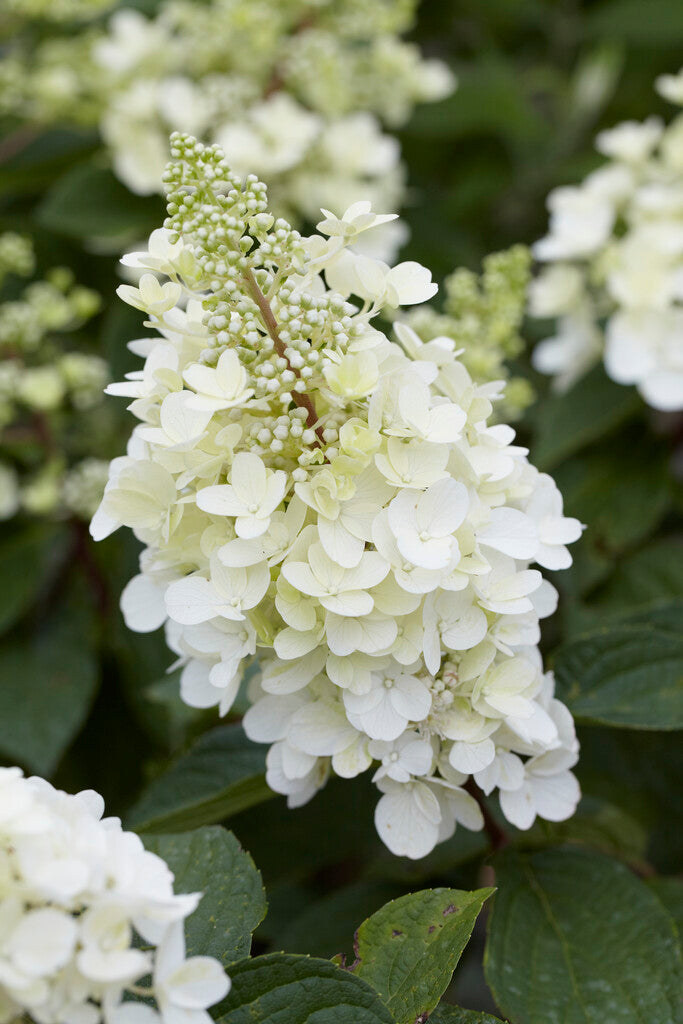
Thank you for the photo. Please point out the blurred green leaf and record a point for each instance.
(90, 202)
(211, 861)
(564, 424)
(651, 576)
(638, 771)
(341, 819)
(623, 19)
(462, 847)
(490, 98)
(621, 492)
(598, 824)
(25, 556)
(43, 158)
(576, 938)
(222, 773)
(409, 949)
(669, 892)
(48, 683)
(299, 990)
(628, 674)
(445, 1014)
(325, 926)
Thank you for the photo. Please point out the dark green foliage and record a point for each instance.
(575, 937)
(211, 861)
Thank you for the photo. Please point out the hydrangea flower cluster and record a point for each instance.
(336, 501)
(47, 393)
(615, 257)
(87, 914)
(482, 315)
(292, 90)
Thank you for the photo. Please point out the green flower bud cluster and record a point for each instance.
(483, 314)
(16, 255)
(46, 393)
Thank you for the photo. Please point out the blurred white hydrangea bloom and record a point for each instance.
(87, 914)
(51, 412)
(336, 501)
(293, 91)
(614, 254)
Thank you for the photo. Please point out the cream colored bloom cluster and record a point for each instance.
(615, 257)
(77, 894)
(336, 502)
(46, 394)
(482, 315)
(294, 91)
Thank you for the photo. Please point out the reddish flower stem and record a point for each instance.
(498, 836)
(270, 323)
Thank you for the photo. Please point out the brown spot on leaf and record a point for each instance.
(395, 932)
(450, 909)
(432, 928)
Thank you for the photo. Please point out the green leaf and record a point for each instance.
(621, 495)
(593, 407)
(576, 938)
(90, 202)
(211, 861)
(598, 824)
(47, 686)
(46, 155)
(623, 20)
(446, 1014)
(651, 576)
(629, 674)
(221, 774)
(408, 950)
(25, 556)
(669, 892)
(638, 771)
(282, 988)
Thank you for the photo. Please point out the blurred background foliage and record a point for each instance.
(87, 703)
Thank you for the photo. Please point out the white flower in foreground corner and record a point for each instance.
(77, 893)
(614, 255)
(315, 493)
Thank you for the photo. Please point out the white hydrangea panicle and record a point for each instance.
(87, 915)
(614, 257)
(334, 500)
